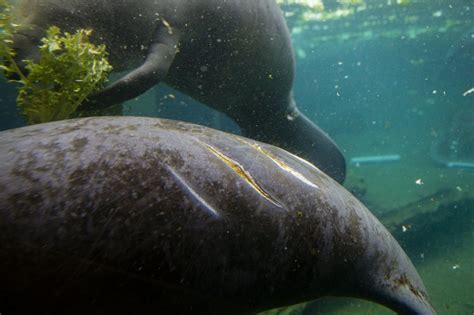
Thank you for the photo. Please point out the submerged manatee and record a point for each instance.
(133, 215)
(235, 56)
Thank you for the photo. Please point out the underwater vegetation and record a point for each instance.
(69, 69)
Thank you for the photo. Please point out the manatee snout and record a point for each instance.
(388, 277)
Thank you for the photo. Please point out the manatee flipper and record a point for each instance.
(157, 63)
(295, 132)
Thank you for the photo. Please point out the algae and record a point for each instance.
(69, 69)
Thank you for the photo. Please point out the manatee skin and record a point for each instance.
(234, 56)
(128, 215)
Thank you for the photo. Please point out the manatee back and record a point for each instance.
(115, 213)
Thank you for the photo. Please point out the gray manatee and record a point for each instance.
(235, 56)
(126, 215)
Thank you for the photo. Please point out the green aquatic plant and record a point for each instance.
(7, 28)
(69, 69)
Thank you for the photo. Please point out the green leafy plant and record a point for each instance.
(69, 69)
(7, 28)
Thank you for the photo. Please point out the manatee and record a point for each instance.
(128, 215)
(234, 56)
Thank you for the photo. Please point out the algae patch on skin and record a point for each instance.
(69, 69)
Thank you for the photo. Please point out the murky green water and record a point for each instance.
(390, 80)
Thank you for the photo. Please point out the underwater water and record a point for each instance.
(386, 80)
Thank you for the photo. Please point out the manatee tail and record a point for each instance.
(295, 133)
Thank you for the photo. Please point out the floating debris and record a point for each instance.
(406, 227)
(468, 91)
